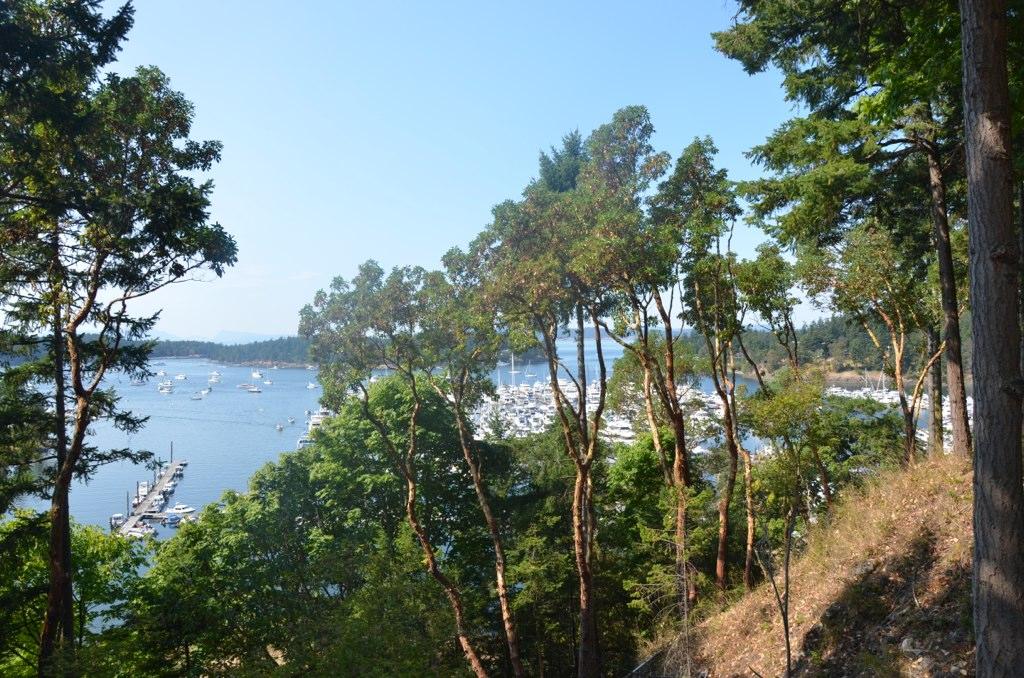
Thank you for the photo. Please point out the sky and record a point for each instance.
(388, 130)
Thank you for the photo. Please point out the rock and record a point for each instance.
(909, 648)
(864, 569)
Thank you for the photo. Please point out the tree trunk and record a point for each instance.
(59, 616)
(950, 311)
(998, 585)
(450, 590)
(935, 430)
(589, 661)
(511, 636)
(721, 560)
(748, 489)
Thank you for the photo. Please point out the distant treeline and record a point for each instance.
(284, 350)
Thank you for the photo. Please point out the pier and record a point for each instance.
(145, 510)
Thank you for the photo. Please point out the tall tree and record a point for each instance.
(376, 321)
(462, 340)
(880, 82)
(995, 262)
(109, 215)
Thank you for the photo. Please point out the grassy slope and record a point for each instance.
(884, 589)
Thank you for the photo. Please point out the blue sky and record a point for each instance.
(388, 130)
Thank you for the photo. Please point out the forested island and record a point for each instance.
(284, 351)
(758, 520)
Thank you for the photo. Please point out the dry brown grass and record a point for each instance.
(892, 564)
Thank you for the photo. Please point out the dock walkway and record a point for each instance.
(145, 510)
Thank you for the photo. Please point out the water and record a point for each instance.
(225, 437)
(230, 433)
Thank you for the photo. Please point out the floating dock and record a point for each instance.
(145, 509)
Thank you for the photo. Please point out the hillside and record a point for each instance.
(884, 590)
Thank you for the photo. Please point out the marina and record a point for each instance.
(150, 506)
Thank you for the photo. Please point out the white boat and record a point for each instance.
(291, 420)
(180, 508)
(268, 382)
(196, 396)
(143, 488)
(246, 385)
(254, 389)
(117, 520)
(205, 391)
(273, 367)
(256, 374)
(304, 441)
(161, 373)
(180, 377)
(279, 427)
(311, 386)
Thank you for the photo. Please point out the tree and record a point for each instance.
(375, 321)
(461, 339)
(995, 260)
(880, 82)
(868, 279)
(109, 216)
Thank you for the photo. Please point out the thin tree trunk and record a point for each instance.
(511, 636)
(950, 310)
(748, 489)
(589, 662)
(724, 502)
(935, 430)
(998, 585)
(408, 474)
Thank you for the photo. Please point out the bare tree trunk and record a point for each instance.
(724, 502)
(589, 662)
(511, 636)
(935, 430)
(950, 309)
(748, 489)
(998, 585)
(450, 590)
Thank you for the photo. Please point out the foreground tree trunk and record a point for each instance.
(998, 585)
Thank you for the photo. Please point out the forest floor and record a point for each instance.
(882, 590)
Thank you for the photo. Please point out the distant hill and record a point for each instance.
(290, 350)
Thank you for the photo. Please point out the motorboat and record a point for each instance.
(304, 441)
(180, 377)
(172, 520)
(196, 396)
(254, 389)
(256, 374)
(117, 520)
(245, 385)
(279, 427)
(311, 386)
(268, 382)
(180, 508)
(161, 373)
(291, 420)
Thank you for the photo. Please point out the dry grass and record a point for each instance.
(880, 590)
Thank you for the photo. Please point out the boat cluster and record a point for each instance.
(528, 409)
